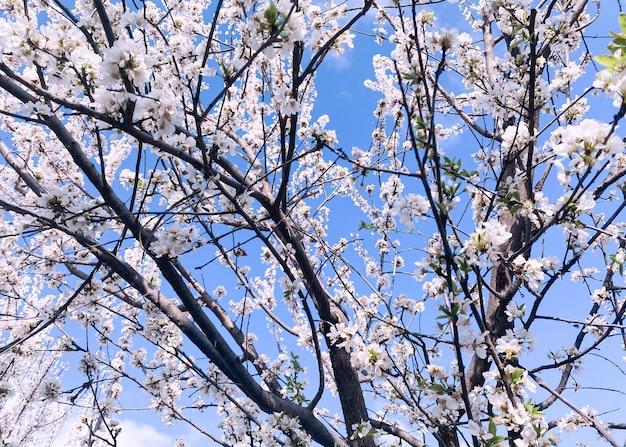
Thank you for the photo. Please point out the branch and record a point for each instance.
(398, 432)
(599, 428)
(24, 174)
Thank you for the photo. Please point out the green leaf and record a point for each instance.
(619, 40)
(607, 60)
(517, 29)
(622, 22)
(496, 440)
(295, 362)
(532, 409)
(271, 15)
(443, 209)
(619, 43)
(370, 434)
(439, 389)
(421, 124)
(492, 426)
(448, 314)
(517, 375)
(465, 266)
(411, 76)
(366, 226)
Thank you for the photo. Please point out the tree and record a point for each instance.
(30, 413)
(179, 217)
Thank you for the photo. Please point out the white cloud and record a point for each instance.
(136, 434)
(133, 434)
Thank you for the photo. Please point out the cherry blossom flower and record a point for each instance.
(176, 240)
(413, 206)
(479, 431)
(486, 241)
(509, 346)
